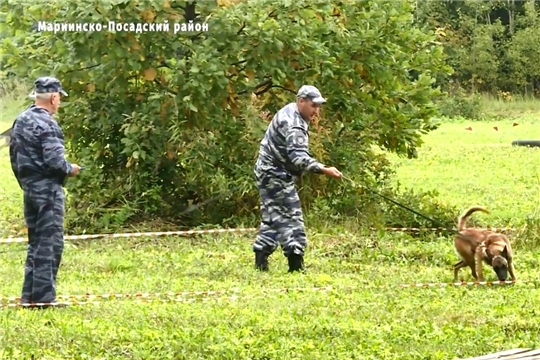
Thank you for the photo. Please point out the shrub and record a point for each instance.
(164, 120)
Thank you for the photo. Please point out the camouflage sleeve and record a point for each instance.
(53, 150)
(298, 153)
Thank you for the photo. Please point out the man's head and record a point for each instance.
(309, 100)
(47, 92)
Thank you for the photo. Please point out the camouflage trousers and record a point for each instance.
(282, 219)
(44, 215)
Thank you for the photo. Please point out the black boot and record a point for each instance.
(261, 260)
(296, 263)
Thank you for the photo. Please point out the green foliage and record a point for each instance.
(163, 120)
(527, 68)
(461, 104)
(424, 202)
(492, 45)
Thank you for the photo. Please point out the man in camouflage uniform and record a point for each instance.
(37, 160)
(283, 157)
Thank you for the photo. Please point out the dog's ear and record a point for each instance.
(504, 253)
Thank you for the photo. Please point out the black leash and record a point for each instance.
(399, 204)
(443, 226)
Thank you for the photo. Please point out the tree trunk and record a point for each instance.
(511, 16)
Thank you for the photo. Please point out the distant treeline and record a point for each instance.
(493, 46)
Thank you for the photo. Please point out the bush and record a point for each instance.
(423, 202)
(167, 120)
(461, 104)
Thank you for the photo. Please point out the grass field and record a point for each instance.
(365, 315)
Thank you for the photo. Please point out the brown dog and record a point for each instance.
(479, 246)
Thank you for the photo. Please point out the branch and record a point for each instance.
(86, 68)
(283, 87)
(237, 70)
(164, 64)
(268, 86)
(189, 12)
(238, 73)
(304, 68)
(165, 88)
(195, 37)
(239, 62)
(237, 34)
(242, 28)
(264, 83)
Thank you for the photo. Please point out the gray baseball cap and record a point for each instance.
(312, 93)
(48, 84)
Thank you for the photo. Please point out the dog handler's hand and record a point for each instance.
(76, 169)
(332, 171)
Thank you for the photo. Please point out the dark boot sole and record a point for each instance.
(296, 263)
(261, 261)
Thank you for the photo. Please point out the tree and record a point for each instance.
(524, 51)
(490, 45)
(164, 119)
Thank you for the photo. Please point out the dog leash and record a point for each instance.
(191, 208)
(443, 226)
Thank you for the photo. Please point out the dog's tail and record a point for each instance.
(462, 220)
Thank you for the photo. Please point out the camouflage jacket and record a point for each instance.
(36, 149)
(285, 143)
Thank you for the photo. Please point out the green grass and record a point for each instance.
(365, 316)
(11, 220)
(480, 167)
(507, 105)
